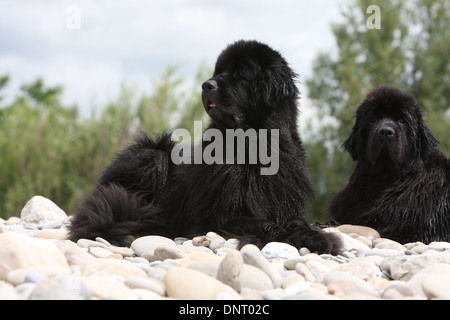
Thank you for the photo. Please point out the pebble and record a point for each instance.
(146, 283)
(42, 210)
(278, 250)
(148, 244)
(252, 256)
(405, 267)
(216, 241)
(183, 283)
(367, 232)
(19, 251)
(382, 243)
(62, 287)
(233, 272)
(100, 252)
(38, 262)
(363, 269)
(163, 252)
(398, 292)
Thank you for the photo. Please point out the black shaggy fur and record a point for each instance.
(143, 192)
(400, 185)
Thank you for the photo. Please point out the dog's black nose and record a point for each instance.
(209, 85)
(386, 132)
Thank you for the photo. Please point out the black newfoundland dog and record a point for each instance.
(143, 192)
(400, 185)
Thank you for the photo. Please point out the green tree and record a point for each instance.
(3, 82)
(49, 149)
(410, 51)
(44, 97)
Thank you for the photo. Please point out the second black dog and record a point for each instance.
(400, 185)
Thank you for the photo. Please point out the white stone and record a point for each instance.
(42, 210)
(233, 272)
(279, 250)
(253, 256)
(349, 244)
(182, 283)
(148, 244)
(18, 251)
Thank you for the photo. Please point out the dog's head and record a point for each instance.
(389, 131)
(250, 81)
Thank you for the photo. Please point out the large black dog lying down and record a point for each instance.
(143, 192)
(400, 185)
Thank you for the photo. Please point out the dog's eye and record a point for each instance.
(240, 75)
(401, 121)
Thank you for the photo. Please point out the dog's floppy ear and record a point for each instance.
(426, 142)
(351, 143)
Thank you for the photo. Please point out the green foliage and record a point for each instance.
(410, 51)
(51, 150)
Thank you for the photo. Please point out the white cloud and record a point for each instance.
(133, 41)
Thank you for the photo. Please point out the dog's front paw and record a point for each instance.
(316, 240)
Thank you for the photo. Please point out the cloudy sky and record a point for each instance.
(133, 41)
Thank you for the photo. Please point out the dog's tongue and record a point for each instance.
(212, 105)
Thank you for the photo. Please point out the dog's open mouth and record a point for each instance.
(209, 104)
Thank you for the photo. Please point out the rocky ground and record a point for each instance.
(37, 262)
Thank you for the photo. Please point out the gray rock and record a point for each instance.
(362, 269)
(18, 251)
(104, 241)
(351, 244)
(318, 269)
(164, 252)
(63, 287)
(108, 288)
(397, 291)
(137, 260)
(384, 252)
(146, 283)
(292, 279)
(24, 289)
(100, 252)
(405, 267)
(436, 282)
(7, 292)
(347, 286)
(183, 283)
(304, 271)
(86, 243)
(254, 278)
(42, 210)
(201, 241)
(304, 251)
(149, 244)
(367, 232)
(123, 251)
(230, 269)
(34, 277)
(279, 250)
(208, 267)
(296, 289)
(337, 275)
(233, 272)
(253, 256)
(216, 241)
(383, 243)
(291, 263)
(180, 240)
